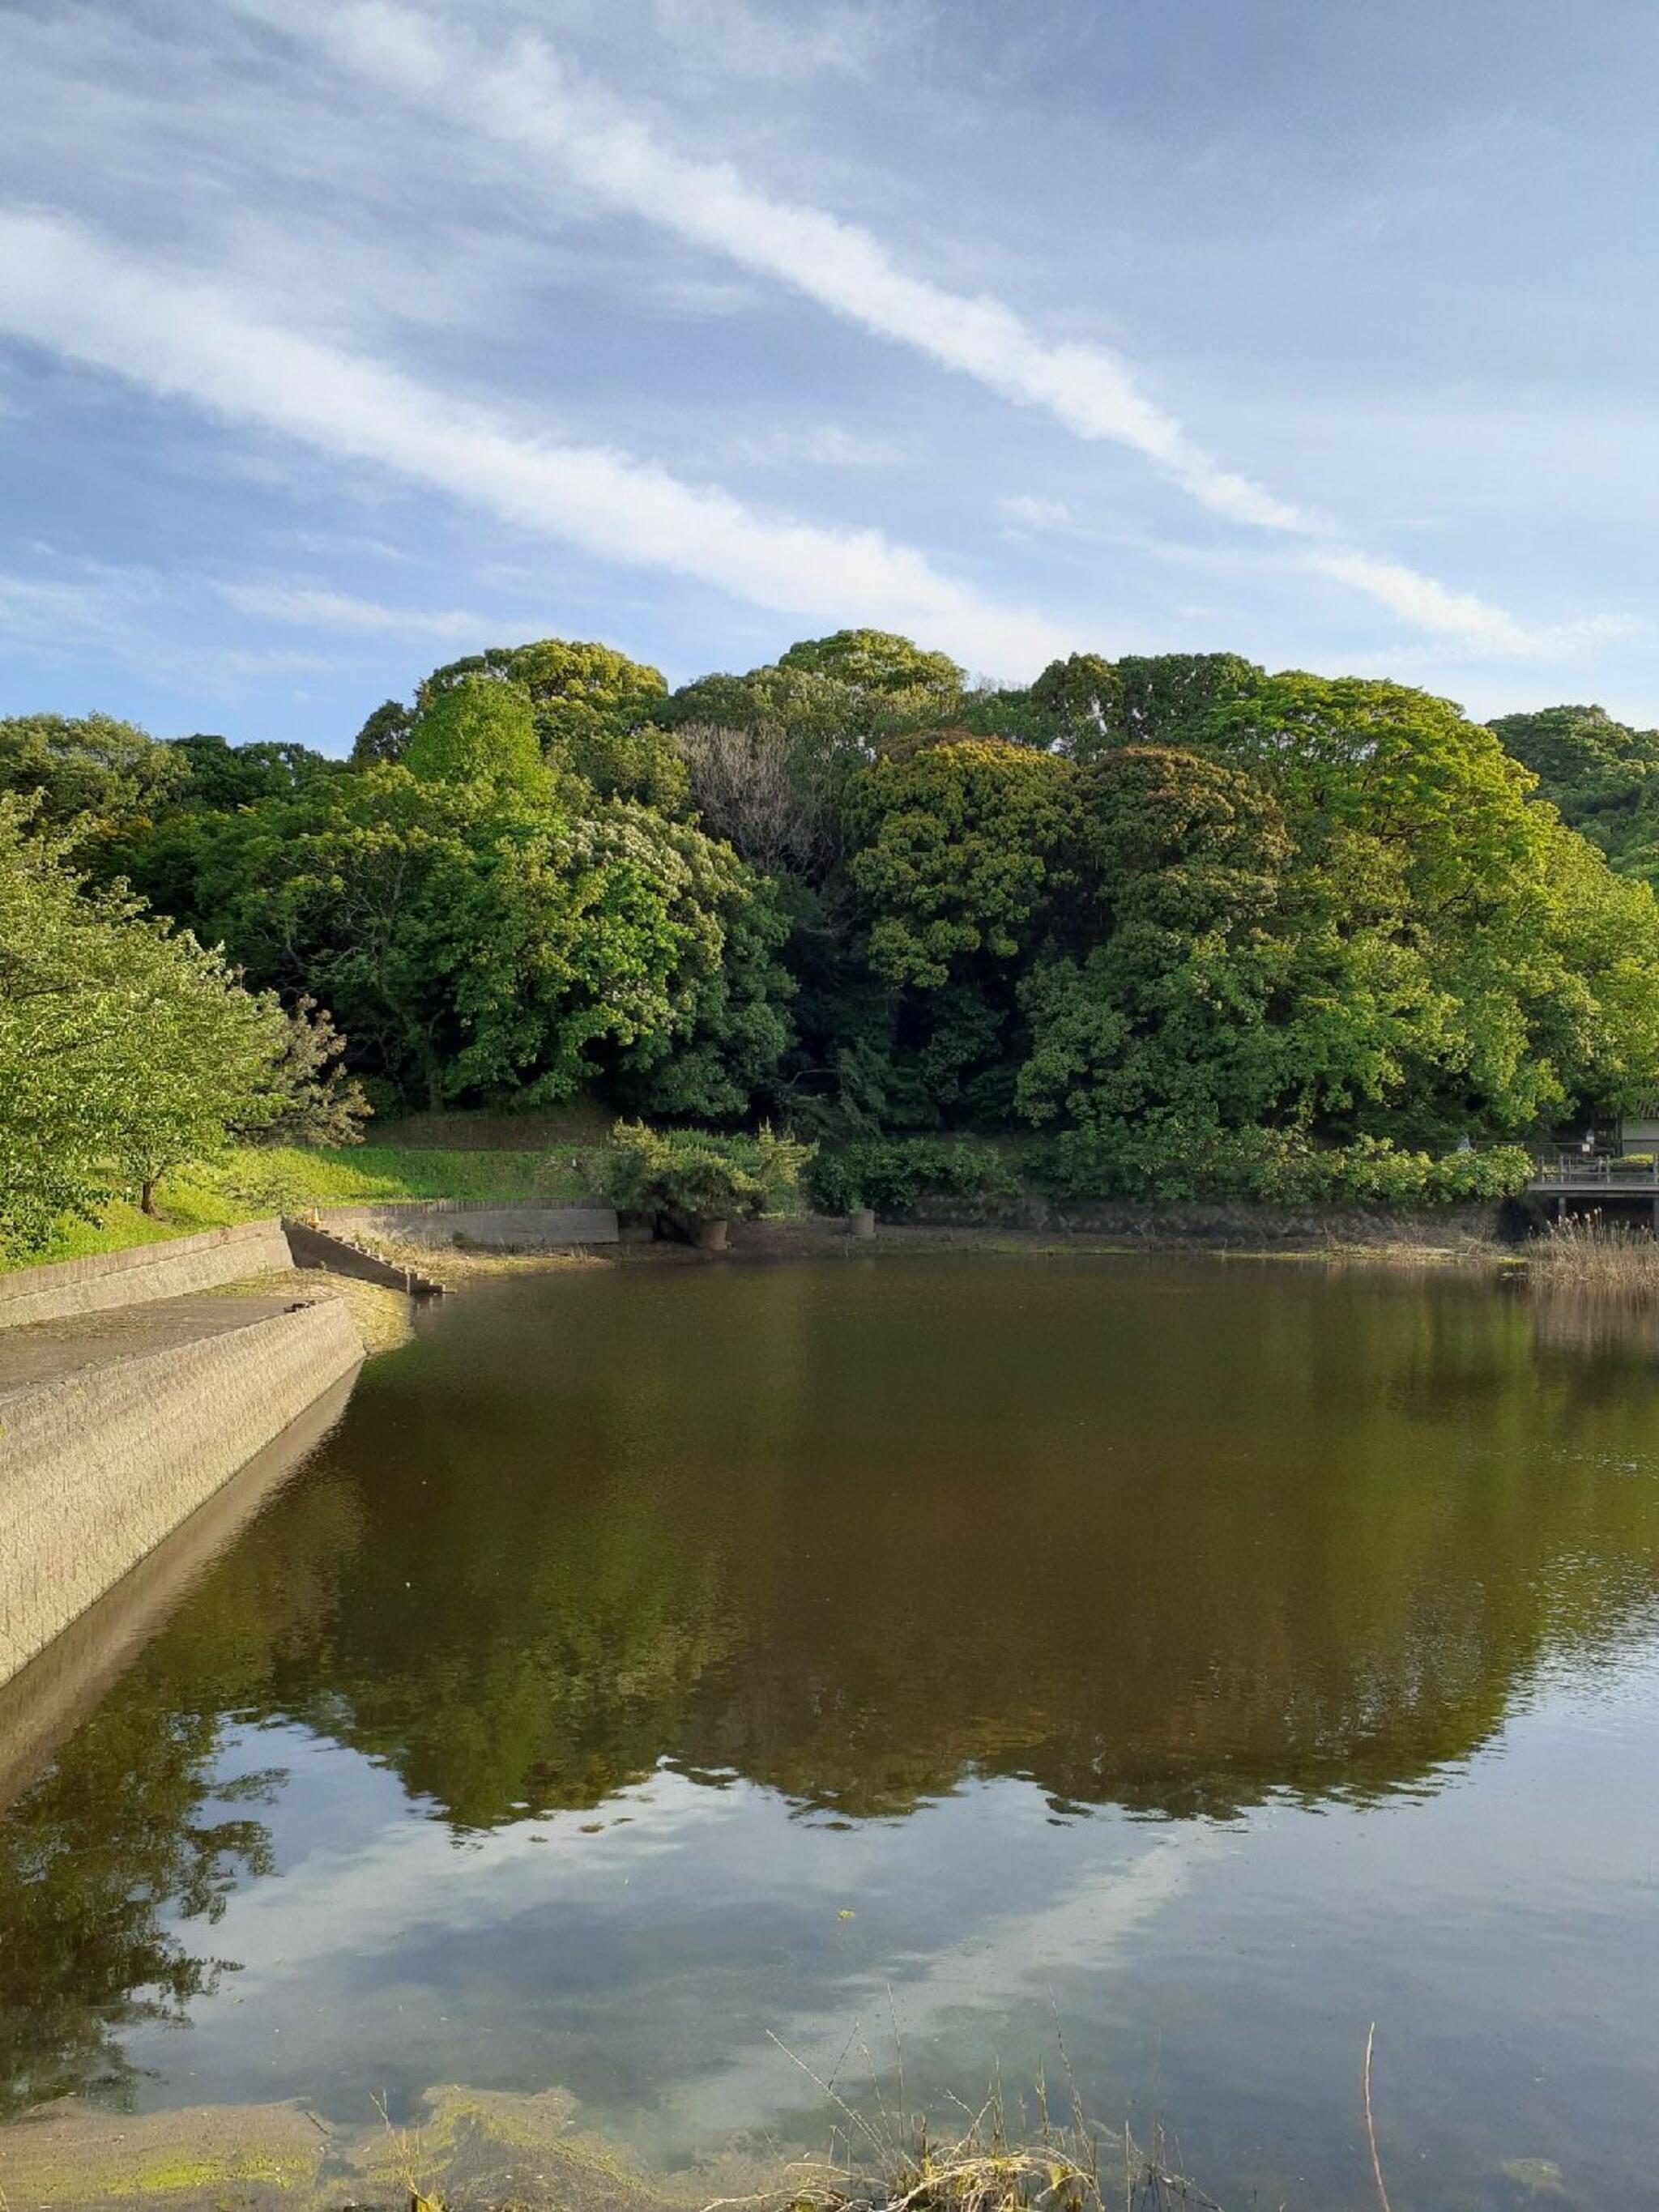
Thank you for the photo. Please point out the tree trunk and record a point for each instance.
(147, 1196)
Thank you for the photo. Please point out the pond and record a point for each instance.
(666, 1681)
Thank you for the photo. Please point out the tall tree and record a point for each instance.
(125, 1048)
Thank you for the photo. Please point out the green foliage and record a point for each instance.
(960, 846)
(1159, 891)
(100, 780)
(693, 1177)
(384, 736)
(834, 700)
(890, 1174)
(223, 776)
(1173, 1005)
(1596, 772)
(477, 731)
(874, 661)
(593, 709)
(1165, 1158)
(477, 942)
(125, 1048)
(1089, 705)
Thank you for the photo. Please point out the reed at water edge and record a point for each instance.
(1607, 1257)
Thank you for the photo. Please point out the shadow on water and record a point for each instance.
(1179, 1542)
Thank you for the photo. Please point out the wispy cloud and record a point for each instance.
(815, 445)
(1027, 511)
(526, 98)
(310, 609)
(186, 337)
(114, 613)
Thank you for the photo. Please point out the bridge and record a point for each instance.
(1589, 1183)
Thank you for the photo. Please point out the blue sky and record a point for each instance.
(339, 338)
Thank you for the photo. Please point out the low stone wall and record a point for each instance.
(439, 1221)
(97, 1467)
(106, 1281)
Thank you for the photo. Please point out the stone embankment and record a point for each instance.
(112, 1434)
(110, 1281)
(133, 1386)
(486, 1224)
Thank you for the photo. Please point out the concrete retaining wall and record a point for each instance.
(169, 1270)
(53, 1692)
(336, 1254)
(97, 1468)
(441, 1221)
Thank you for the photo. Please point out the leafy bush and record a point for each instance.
(891, 1174)
(1170, 1160)
(692, 1177)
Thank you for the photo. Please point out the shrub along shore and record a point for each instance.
(946, 1192)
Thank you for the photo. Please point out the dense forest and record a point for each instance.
(1160, 911)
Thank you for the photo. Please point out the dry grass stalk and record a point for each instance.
(1605, 1258)
(1371, 2124)
(894, 2164)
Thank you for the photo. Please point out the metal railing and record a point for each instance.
(1607, 1175)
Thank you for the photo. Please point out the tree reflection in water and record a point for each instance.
(1170, 1538)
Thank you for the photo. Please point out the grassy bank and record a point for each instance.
(253, 1182)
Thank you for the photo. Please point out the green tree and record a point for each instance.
(125, 1048)
(479, 939)
(102, 780)
(594, 710)
(477, 731)
(1594, 771)
(222, 775)
(962, 852)
(960, 848)
(1154, 995)
(1089, 705)
(876, 661)
(384, 736)
(835, 701)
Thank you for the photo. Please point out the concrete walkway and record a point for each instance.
(50, 1351)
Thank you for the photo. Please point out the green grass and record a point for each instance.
(253, 1182)
(289, 1176)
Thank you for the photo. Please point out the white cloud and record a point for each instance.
(819, 445)
(1420, 600)
(1428, 605)
(526, 99)
(180, 336)
(310, 609)
(1031, 513)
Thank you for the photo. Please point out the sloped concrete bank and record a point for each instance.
(108, 1443)
(108, 1280)
(41, 1704)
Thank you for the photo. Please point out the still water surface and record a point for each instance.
(1213, 1658)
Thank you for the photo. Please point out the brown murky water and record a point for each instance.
(1213, 1658)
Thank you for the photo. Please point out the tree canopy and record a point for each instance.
(1168, 893)
(126, 1047)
